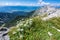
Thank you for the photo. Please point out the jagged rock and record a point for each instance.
(45, 9)
(4, 33)
(49, 10)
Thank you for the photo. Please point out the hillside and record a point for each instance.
(36, 29)
(41, 26)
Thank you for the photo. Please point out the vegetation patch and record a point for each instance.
(36, 29)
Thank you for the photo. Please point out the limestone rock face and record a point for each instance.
(49, 10)
(45, 9)
(4, 34)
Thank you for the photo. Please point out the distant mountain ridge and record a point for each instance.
(7, 16)
(21, 8)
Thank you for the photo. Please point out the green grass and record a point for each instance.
(36, 29)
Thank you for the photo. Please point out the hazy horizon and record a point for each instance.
(28, 2)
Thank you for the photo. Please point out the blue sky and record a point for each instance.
(17, 2)
(21, 1)
(52, 1)
(27, 2)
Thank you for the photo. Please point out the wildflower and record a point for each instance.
(30, 19)
(14, 32)
(53, 27)
(18, 29)
(50, 34)
(21, 36)
(30, 22)
(25, 25)
(21, 29)
(58, 30)
(27, 22)
(17, 25)
(21, 24)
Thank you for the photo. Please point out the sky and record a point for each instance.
(52, 1)
(17, 2)
(28, 2)
(21, 1)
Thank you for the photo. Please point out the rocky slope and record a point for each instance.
(49, 10)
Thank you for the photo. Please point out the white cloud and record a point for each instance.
(41, 3)
(9, 4)
(18, 4)
(44, 3)
(55, 4)
(23, 4)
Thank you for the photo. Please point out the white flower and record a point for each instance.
(58, 30)
(50, 34)
(30, 22)
(25, 24)
(21, 36)
(17, 25)
(21, 24)
(53, 27)
(21, 29)
(18, 29)
(30, 19)
(14, 32)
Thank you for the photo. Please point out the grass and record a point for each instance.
(35, 29)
